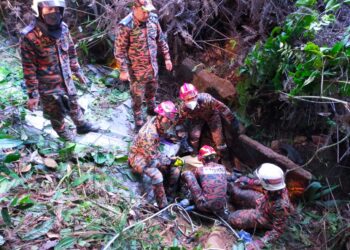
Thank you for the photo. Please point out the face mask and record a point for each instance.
(53, 20)
(191, 105)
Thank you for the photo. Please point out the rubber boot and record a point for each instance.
(160, 196)
(86, 128)
(67, 135)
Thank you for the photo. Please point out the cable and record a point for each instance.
(171, 206)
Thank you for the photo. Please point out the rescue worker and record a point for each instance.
(145, 157)
(201, 108)
(49, 59)
(207, 184)
(138, 39)
(272, 209)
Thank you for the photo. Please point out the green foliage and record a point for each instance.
(291, 61)
(316, 191)
(39, 231)
(11, 77)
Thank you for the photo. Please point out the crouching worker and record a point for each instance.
(208, 184)
(200, 109)
(145, 157)
(272, 210)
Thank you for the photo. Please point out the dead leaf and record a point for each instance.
(69, 169)
(49, 245)
(48, 194)
(53, 235)
(36, 158)
(50, 163)
(24, 169)
(48, 177)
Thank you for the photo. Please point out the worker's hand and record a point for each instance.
(254, 245)
(32, 104)
(168, 65)
(124, 76)
(177, 161)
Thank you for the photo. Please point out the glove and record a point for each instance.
(177, 162)
(255, 245)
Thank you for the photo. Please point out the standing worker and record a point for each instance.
(49, 58)
(139, 37)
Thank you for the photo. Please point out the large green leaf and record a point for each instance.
(81, 180)
(39, 231)
(9, 143)
(6, 216)
(12, 157)
(312, 189)
(3, 136)
(4, 72)
(100, 157)
(67, 151)
(25, 202)
(337, 48)
(5, 185)
(306, 3)
(65, 243)
(332, 5)
(325, 192)
(313, 48)
(121, 159)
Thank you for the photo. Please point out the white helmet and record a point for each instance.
(271, 177)
(37, 4)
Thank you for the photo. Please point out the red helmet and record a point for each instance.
(167, 109)
(188, 91)
(205, 151)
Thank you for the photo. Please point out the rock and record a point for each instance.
(209, 82)
(194, 72)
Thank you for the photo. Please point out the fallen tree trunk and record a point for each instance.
(253, 153)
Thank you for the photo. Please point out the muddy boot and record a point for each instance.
(160, 196)
(86, 128)
(67, 135)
